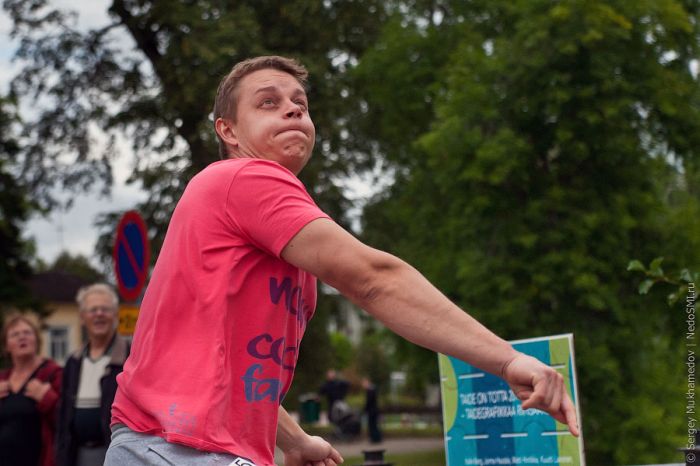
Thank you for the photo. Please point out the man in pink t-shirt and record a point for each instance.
(234, 288)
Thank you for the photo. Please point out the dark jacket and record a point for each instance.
(66, 447)
(49, 372)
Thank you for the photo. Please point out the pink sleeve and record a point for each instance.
(269, 205)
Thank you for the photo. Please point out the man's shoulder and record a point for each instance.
(76, 355)
(120, 350)
(235, 165)
(266, 175)
(246, 171)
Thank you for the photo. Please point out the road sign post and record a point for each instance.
(131, 255)
(128, 315)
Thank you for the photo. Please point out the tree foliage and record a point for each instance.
(530, 141)
(15, 207)
(152, 73)
(76, 265)
(374, 359)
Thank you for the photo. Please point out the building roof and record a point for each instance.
(56, 286)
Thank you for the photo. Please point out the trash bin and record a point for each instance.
(309, 408)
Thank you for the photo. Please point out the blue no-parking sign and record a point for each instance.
(131, 255)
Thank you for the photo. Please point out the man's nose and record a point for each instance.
(294, 110)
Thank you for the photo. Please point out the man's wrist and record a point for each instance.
(293, 441)
(289, 433)
(509, 357)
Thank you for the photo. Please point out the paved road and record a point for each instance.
(392, 445)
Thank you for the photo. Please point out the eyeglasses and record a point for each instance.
(19, 334)
(103, 309)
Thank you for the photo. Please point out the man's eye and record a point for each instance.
(302, 104)
(267, 103)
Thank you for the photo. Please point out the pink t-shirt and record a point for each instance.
(219, 328)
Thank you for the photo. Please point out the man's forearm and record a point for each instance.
(404, 300)
(289, 432)
(395, 293)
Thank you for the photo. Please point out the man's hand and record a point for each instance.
(313, 451)
(36, 389)
(4, 388)
(539, 386)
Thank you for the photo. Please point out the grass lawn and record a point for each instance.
(419, 458)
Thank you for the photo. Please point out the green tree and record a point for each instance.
(152, 73)
(15, 208)
(343, 350)
(373, 358)
(526, 140)
(78, 265)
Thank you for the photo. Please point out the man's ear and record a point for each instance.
(224, 128)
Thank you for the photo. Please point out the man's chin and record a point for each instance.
(295, 160)
(301, 150)
(102, 332)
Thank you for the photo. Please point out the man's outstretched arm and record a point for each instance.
(400, 297)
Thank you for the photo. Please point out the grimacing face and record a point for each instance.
(21, 340)
(98, 314)
(272, 120)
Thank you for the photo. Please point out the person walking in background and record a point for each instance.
(90, 381)
(372, 411)
(334, 389)
(29, 391)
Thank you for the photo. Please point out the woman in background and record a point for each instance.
(29, 391)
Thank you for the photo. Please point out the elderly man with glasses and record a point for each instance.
(89, 381)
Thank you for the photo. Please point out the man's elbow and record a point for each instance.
(370, 278)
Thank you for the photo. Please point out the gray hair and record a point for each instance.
(96, 288)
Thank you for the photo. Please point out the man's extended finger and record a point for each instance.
(335, 456)
(555, 387)
(555, 404)
(569, 410)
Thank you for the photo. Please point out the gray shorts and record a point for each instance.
(90, 456)
(129, 448)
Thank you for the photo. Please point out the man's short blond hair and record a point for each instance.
(226, 100)
(102, 288)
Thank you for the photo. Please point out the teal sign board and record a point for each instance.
(485, 423)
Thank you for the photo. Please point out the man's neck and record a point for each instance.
(98, 345)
